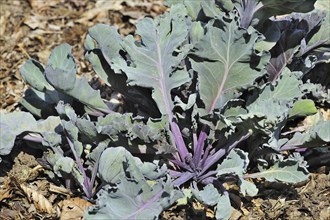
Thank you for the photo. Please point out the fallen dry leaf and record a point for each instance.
(39, 201)
(5, 188)
(59, 190)
(74, 208)
(5, 194)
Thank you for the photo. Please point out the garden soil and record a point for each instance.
(31, 29)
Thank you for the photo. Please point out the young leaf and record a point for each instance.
(302, 108)
(208, 196)
(236, 163)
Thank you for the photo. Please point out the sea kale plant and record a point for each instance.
(210, 89)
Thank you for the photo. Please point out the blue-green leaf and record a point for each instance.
(153, 61)
(32, 73)
(229, 62)
(291, 170)
(61, 74)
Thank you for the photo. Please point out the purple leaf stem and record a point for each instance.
(174, 173)
(208, 180)
(208, 174)
(205, 156)
(291, 147)
(86, 183)
(199, 149)
(146, 205)
(181, 146)
(181, 164)
(183, 178)
(221, 152)
(96, 166)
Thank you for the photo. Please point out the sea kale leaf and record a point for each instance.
(290, 170)
(61, 74)
(153, 63)
(130, 196)
(226, 62)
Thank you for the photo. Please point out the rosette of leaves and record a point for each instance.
(210, 86)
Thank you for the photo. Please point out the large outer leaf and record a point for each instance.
(321, 37)
(133, 197)
(108, 40)
(14, 124)
(103, 44)
(279, 7)
(228, 65)
(291, 34)
(61, 74)
(193, 7)
(40, 99)
(17, 123)
(153, 63)
(198, 9)
(263, 9)
(40, 103)
(290, 170)
(32, 73)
